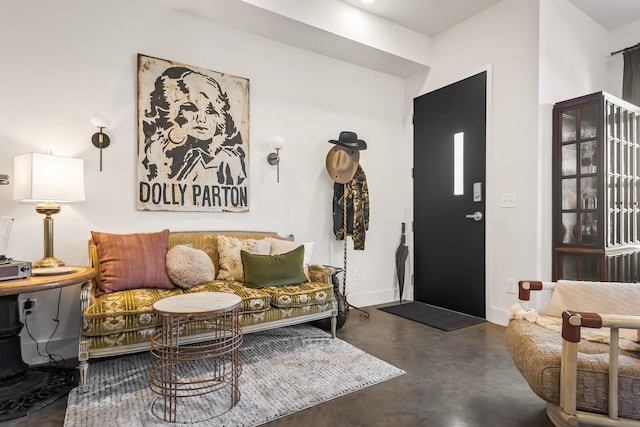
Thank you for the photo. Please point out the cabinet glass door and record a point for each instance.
(622, 176)
(570, 228)
(580, 267)
(579, 168)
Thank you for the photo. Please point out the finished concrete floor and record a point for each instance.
(462, 378)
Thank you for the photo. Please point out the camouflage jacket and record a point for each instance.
(357, 209)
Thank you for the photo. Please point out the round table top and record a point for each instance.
(65, 276)
(197, 304)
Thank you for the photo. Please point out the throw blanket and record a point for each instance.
(596, 297)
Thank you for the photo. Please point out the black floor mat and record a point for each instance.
(430, 315)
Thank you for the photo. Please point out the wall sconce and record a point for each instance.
(100, 139)
(49, 180)
(274, 158)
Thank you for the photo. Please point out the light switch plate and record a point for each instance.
(508, 200)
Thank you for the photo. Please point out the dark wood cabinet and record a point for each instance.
(596, 189)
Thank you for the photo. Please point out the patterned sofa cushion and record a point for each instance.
(120, 338)
(300, 295)
(133, 309)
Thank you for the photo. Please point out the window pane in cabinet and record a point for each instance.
(569, 159)
(612, 187)
(588, 157)
(625, 227)
(569, 267)
(624, 125)
(611, 229)
(589, 268)
(622, 267)
(569, 228)
(624, 158)
(614, 119)
(588, 121)
(610, 120)
(625, 192)
(613, 157)
(589, 228)
(569, 193)
(615, 227)
(635, 160)
(569, 125)
(636, 213)
(589, 193)
(611, 263)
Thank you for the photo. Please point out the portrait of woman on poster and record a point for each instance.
(188, 129)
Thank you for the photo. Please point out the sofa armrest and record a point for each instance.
(572, 322)
(526, 286)
(320, 273)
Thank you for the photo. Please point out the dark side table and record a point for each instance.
(25, 389)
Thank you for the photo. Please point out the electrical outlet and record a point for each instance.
(511, 286)
(29, 306)
(356, 274)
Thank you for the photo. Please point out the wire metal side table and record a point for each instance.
(194, 370)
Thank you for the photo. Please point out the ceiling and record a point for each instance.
(278, 20)
(430, 17)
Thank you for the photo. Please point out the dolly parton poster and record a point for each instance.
(193, 138)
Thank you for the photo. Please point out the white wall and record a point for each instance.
(537, 53)
(502, 39)
(573, 50)
(67, 59)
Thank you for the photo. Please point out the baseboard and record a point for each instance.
(365, 299)
(67, 348)
(498, 315)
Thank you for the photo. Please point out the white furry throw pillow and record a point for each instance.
(188, 267)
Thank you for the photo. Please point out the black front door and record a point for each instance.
(449, 196)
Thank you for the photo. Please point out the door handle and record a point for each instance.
(476, 216)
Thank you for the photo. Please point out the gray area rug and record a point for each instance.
(284, 371)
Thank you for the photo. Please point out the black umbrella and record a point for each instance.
(401, 257)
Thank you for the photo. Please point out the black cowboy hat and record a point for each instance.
(350, 140)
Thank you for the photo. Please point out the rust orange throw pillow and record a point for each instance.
(130, 261)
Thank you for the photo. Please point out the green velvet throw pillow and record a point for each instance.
(273, 270)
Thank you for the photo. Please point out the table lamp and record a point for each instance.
(48, 180)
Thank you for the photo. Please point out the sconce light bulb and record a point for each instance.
(100, 120)
(278, 143)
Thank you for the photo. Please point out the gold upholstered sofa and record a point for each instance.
(580, 352)
(120, 320)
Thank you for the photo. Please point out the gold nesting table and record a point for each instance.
(204, 371)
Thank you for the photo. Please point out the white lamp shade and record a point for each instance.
(100, 120)
(278, 142)
(46, 178)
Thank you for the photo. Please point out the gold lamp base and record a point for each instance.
(48, 262)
